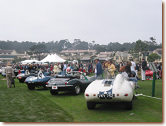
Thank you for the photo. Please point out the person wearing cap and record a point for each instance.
(99, 69)
(9, 74)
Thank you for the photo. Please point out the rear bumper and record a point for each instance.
(62, 87)
(114, 98)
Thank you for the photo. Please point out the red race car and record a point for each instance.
(149, 73)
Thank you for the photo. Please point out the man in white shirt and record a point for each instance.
(133, 65)
(133, 69)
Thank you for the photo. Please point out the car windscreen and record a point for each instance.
(107, 82)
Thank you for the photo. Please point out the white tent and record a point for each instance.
(53, 58)
(29, 61)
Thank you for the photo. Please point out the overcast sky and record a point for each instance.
(103, 21)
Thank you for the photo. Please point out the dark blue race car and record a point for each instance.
(37, 81)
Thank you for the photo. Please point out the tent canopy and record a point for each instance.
(29, 61)
(53, 58)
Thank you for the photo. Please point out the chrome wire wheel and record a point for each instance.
(77, 89)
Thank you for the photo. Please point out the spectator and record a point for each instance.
(90, 68)
(68, 69)
(9, 74)
(144, 67)
(62, 66)
(117, 66)
(51, 67)
(136, 70)
(106, 72)
(75, 68)
(56, 69)
(126, 68)
(133, 65)
(99, 69)
(159, 67)
(111, 69)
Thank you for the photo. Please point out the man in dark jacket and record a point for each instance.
(144, 66)
(99, 69)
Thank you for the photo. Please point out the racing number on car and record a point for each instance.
(40, 75)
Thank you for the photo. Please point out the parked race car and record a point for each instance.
(37, 81)
(3, 71)
(148, 74)
(18, 71)
(119, 89)
(73, 84)
(22, 76)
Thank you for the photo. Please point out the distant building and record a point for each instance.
(146, 54)
(158, 52)
(122, 56)
(77, 54)
(105, 55)
(9, 55)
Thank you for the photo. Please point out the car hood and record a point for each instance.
(55, 81)
(21, 75)
(36, 79)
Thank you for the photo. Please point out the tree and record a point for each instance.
(57, 46)
(38, 50)
(99, 48)
(152, 57)
(153, 40)
(116, 46)
(140, 46)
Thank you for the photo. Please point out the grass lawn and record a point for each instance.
(21, 105)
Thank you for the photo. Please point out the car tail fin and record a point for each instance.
(40, 75)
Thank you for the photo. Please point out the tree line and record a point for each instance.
(57, 46)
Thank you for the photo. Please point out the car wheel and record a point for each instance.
(31, 87)
(129, 105)
(21, 81)
(91, 105)
(77, 89)
(53, 92)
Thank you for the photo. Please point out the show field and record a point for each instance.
(22, 105)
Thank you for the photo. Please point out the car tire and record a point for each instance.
(21, 81)
(31, 87)
(53, 92)
(129, 105)
(91, 105)
(77, 90)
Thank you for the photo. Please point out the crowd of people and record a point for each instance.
(106, 69)
(56, 67)
(109, 69)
